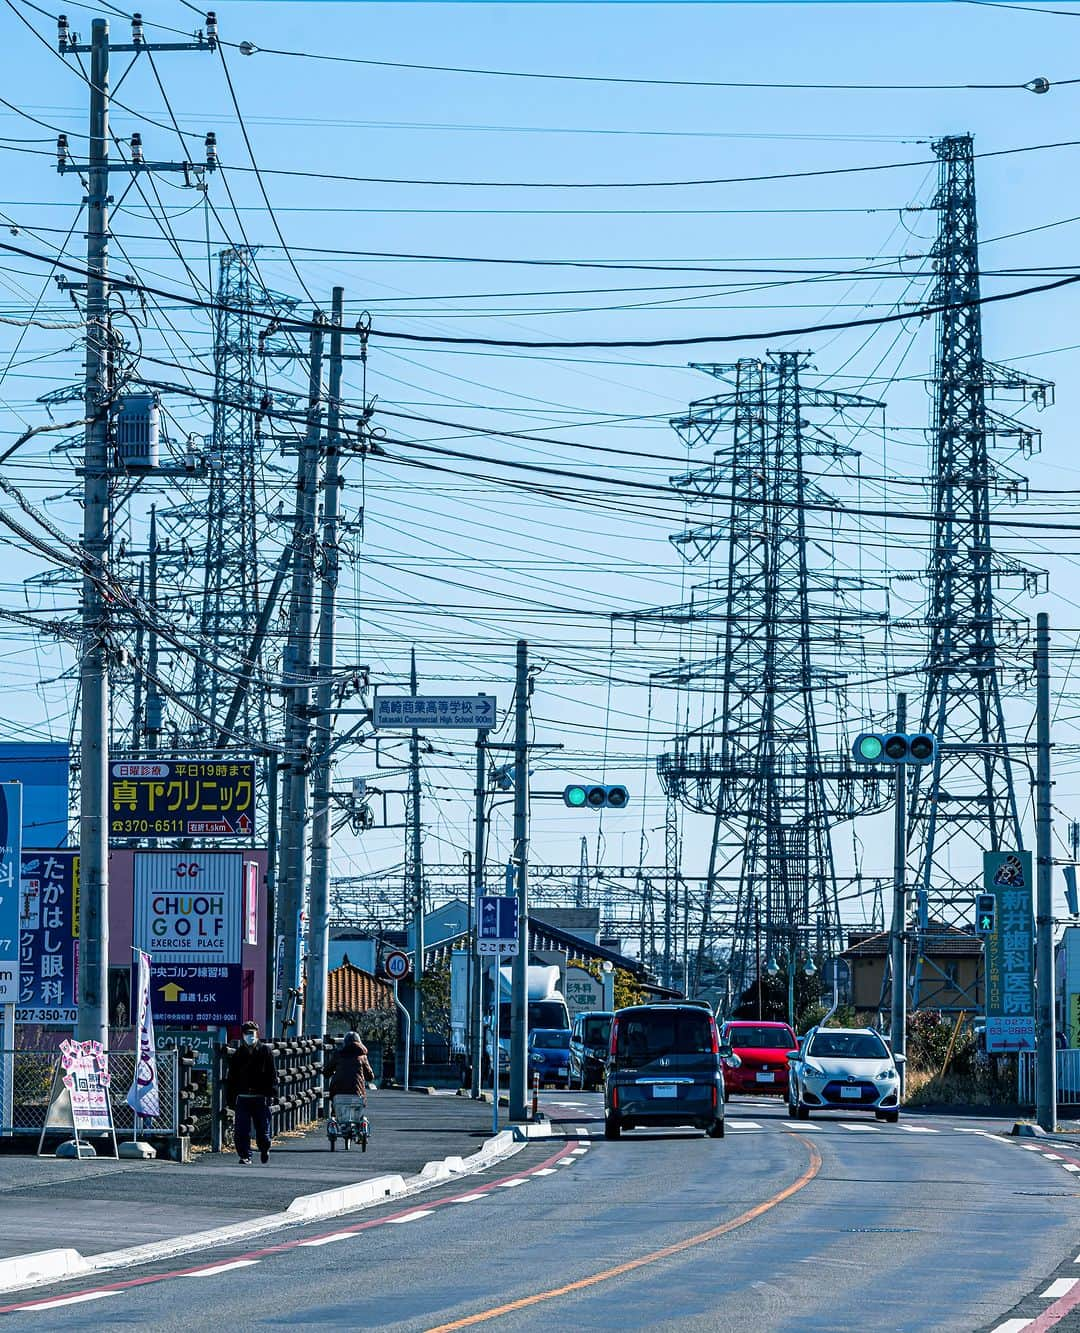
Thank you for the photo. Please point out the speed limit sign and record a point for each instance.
(396, 965)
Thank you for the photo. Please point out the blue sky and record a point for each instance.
(502, 565)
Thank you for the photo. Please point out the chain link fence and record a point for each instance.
(31, 1076)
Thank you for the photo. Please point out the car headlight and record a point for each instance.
(732, 1061)
(810, 1068)
(887, 1074)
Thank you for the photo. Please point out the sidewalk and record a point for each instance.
(99, 1205)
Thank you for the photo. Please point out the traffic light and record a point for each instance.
(593, 796)
(894, 747)
(985, 913)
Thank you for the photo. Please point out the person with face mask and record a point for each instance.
(251, 1086)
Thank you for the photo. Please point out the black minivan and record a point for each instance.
(664, 1068)
(589, 1042)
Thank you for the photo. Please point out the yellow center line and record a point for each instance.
(690, 1243)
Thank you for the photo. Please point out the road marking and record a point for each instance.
(863, 1129)
(329, 1240)
(577, 1152)
(743, 1124)
(544, 1171)
(656, 1256)
(566, 1161)
(582, 1131)
(70, 1300)
(1053, 1157)
(1061, 1287)
(1029, 1147)
(1011, 1326)
(411, 1217)
(509, 1184)
(1070, 1167)
(215, 1269)
(469, 1198)
(918, 1129)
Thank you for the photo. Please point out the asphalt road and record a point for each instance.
(838, 1224)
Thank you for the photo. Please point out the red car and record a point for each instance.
(758, 1062)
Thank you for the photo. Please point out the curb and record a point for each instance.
(33, 1270)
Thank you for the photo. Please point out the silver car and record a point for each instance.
(844, 1069)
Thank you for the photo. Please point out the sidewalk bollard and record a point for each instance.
(536, 1096)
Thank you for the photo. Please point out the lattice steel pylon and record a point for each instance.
(965, 802)
(755, 762)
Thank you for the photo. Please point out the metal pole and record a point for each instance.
(298, 673)
(93, 1017)
(271, 894)
(416, 875)
(406, 1043)
(791, 983)
(519, 996)
(476, 1033)
(319, 912)
(897, 934)
(1045, 1028)
(153, 693)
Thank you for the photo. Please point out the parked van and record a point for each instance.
(664, 1068)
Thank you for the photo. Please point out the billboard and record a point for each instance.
(42, 768)
(1010, 954)
(184, 993)
(189, 906)
(48, 938)
(10, 846)
(191, 798)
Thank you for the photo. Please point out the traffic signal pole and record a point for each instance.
(1045, 1033)
(897, 942)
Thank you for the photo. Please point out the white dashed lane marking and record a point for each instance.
(215, 1269)
(1053, 1157)
(1012, 1326)
(1070, 1167)
(918, 1129)
(743, 1124)
(542, 1171)
(412, 1217)
(578, 1152)
(582, 1131)
(70, 1300)
(469, 1198)
(863, 1129)
(1061, 1287)
(509, 1184)
(329, 1240)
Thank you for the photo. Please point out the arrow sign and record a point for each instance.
(466, 712)
(171, 991)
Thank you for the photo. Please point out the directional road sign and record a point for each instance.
(469, 712)
(497, 928)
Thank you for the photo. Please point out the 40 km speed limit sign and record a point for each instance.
(396, 965)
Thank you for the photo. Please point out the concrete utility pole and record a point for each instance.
(319, 911)
(416, 879)
(298, 679)
(93, 997)
(93, 1020)
(898, 933)
(153, 692)
(1045, 1025)
(519, 997)
(476, 975)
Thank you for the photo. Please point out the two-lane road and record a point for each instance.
(835, 1224)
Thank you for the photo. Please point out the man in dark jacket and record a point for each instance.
(249, 1089)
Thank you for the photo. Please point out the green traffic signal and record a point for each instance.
(596, 796)
(869, 747)
(894, 747)
(575, 796)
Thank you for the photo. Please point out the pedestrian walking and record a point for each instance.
(250, 1087)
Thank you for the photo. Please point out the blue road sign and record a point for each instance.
(497, 926)
(474, 712)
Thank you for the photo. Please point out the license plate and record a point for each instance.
(665, 1090)
(853, 1094)
(766, 1078)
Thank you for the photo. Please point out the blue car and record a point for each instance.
(549, 1056)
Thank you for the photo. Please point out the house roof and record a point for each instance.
(936, 941)
(351, 990)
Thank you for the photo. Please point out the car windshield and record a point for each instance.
(647, 1035)
(848, 1046)
(596, 1031)
(775, 1039)
(550, 1041)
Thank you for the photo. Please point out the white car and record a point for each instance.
(844, 1069)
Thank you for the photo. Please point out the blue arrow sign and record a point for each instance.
(498, 919)
(469, 712)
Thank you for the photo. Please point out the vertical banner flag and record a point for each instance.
(143, 1094)
(10, 848)
(1010, 954)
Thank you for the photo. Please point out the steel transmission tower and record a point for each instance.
(755, 762)
(232, 590)
(965, 803)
